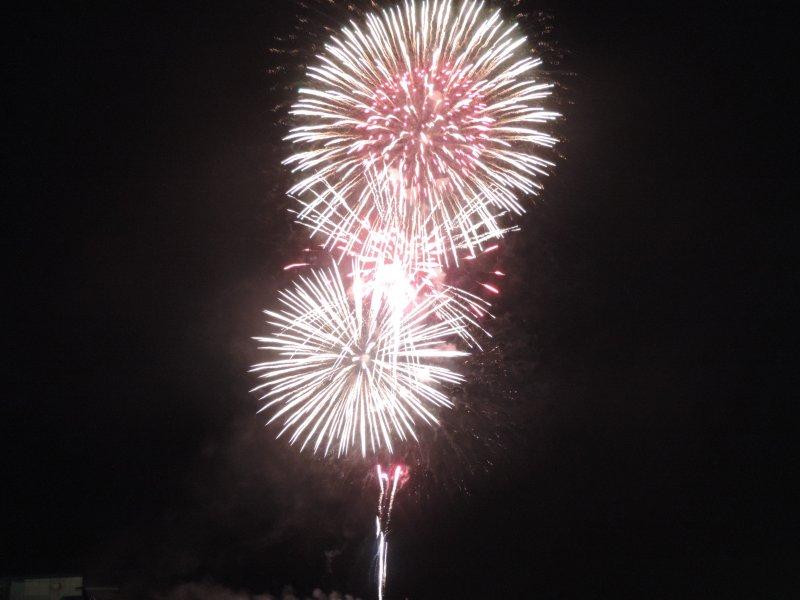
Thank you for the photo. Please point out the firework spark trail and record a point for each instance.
(382, 520)
(359, 367)
(440, 104)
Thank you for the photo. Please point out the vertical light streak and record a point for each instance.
(387, 481)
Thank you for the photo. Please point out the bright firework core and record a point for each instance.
(364, 359)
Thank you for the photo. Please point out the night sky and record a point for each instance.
(628, 434)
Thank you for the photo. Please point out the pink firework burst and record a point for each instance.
(432, 105)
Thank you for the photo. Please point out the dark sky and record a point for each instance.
(642, 445)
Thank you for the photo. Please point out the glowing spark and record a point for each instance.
(359, 367)
(291, 266)
(439, 104)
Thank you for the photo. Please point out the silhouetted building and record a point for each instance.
(56, 587)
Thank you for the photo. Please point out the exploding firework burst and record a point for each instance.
(359, 367)
(438, 104)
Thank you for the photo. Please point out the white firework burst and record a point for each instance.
(357, 368)
(438, 103)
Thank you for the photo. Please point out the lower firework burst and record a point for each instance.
(357, 367)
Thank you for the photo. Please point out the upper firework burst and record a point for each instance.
(435, 104)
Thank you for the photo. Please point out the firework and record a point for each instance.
(419, 131)
(437, 103)
(359, 366)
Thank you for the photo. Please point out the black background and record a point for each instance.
(146, 228)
